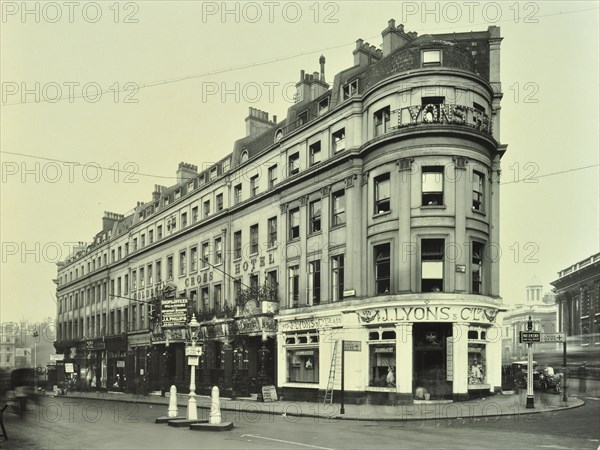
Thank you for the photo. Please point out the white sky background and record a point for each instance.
(553, 59)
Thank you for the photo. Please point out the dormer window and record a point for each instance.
(226, 165)
(213, 173)
(190, 186)
(350, 89)
(323, 106)
(432, 57)
(244, 156)
(302, 118)
(177, 193)
(278, 135)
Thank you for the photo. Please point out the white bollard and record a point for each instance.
(172, 402)
(215, 406)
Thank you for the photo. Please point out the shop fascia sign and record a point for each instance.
(427, 314)
(315, 322)
(444, 113)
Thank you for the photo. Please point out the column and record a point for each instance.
(493, 356)
(494, 219)
(462, 247)
(403, 204)
(460, 361)
(404, 362)
(355, 278)
(281, 365)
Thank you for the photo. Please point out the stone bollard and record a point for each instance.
(173, 402)
(215, 407)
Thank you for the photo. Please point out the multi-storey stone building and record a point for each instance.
(369, 214)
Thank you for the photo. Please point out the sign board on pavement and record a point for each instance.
(269, 393)
(528, 337)
(57, 357)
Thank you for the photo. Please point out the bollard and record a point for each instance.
(215, 407)
(173, 402)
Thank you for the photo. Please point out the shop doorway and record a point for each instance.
(430, 361)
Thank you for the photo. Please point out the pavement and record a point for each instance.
(507, 404)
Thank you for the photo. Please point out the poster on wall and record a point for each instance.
(449, 363)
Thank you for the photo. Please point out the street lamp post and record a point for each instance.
(35, 336)
(530, 402)
(193, 353)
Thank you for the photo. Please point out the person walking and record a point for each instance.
(582, 375)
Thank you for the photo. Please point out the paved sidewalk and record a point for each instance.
(493, 406)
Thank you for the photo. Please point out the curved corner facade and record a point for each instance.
(366, 222)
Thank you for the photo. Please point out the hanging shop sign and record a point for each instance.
(174, 312)
(427, 314)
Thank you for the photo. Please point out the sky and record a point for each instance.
(128, 90)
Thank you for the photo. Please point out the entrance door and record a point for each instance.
(429, 361)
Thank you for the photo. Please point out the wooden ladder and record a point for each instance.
(329, 391)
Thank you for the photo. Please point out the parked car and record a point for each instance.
(519, 370)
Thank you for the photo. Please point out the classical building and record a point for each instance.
(578, 298)
(543, 312)
(370, 215)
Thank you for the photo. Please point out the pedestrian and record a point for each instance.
(582, 375)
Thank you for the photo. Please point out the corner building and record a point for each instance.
(369, 214)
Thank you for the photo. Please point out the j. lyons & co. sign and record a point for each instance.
(427, 314)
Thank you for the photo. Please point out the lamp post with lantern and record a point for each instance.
(35, 336)
(193, 353)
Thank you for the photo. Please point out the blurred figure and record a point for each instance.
(582, 375)
(22, 385)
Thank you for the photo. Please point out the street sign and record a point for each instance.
(69, 368)
(352, 346)
(57, 357)
(193, 351)
(553, 337)
(193, 360)
(529, 337)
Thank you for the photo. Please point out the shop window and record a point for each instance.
(338, 140)
(382, 268)
(315, 216)
(294, 286)
(477, 268)
(254, 239)
(337, 277)
(272, 225)
(302, 358)
(314, 282)
(477, 364)
(478, 180)
(315, 153)
(294, 218)
(382, 121)
(433, 186)
(338, 208)
(432, 265)
(382, 193)
(382, 359)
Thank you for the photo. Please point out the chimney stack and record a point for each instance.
(186, 172)
(366, 54)
(109, 219)
(394, 37)
(257, 122)
(322, 64)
